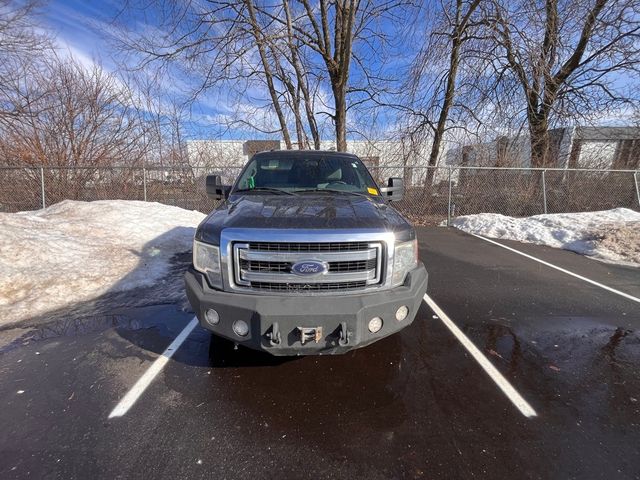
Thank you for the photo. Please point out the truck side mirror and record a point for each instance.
(394, 189)
(215, 190)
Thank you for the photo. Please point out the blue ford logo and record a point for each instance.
(309, 267)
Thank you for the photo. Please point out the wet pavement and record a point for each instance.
(414, 405)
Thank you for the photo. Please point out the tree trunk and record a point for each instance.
(301, 79)
(313, 125)
(260, 43)
(294, 98)
(338, 58)
(303, 141)
(446, 106)
(539, 139)
(457, 38)
(340, 118)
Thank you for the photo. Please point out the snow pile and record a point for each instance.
(611, 235)
(76, 251)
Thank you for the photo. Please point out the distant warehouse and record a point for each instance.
(602, 148)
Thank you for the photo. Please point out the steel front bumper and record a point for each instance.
(341, 317)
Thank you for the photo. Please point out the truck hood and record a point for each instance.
(305, 211)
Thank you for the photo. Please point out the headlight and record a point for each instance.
(405, 259)
(206, 259)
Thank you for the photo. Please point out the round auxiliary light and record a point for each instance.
(375, 324)
(212, 317)
(240, 328)
(402, 313)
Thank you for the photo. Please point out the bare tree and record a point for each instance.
(567, 59)
(161, 121)
(21, 48)
(78, 117)
(458, 35)
(433, 83)
(292, 98)
(303, 79)
(335, 46)
(262, 44)
(287, 49)
(225, 46)
(334, 30)
(291, 68)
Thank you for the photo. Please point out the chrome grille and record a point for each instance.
(356, 266)
(260, 266)
(303, 287)
(308, 247)
(343, 266)
(267, 266)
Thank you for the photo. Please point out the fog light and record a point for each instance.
(212, 317)
(402, 313)
(240, 328)
(375, 324)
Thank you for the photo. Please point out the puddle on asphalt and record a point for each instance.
(564, 343)
(72, 328)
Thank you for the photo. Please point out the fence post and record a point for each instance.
(44, 202)
(449, 201)
(544, 190)
(635, 179)
(144, 183)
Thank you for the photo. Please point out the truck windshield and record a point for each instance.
(311, 174)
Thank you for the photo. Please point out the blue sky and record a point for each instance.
(81, 28)
(77, 23)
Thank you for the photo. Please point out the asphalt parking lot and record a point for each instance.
(415, 405)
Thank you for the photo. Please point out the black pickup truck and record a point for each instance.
(305, 256)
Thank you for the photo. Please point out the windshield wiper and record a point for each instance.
(263, 189)
(330, 190)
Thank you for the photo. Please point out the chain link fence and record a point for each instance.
(432, 194)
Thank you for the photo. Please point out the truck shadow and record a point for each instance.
(224, 354)
(306, 395)
(146, 307)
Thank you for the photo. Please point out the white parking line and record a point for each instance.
(156, 367)
(560, 269)
(504, 385)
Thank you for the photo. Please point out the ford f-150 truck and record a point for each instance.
(305, 256)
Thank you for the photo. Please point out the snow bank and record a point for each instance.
(76, 251)
(611, 235)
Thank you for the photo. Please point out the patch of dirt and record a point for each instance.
(622, 240)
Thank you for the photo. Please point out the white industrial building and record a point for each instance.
(603, 148)
(576, 147)
(235, 153)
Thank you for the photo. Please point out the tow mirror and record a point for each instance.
(394, 189)
(215, 190)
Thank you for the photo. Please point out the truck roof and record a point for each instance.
(303, 153)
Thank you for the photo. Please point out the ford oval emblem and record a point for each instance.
(309, 267)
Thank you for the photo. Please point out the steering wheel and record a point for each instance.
(337, 182)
